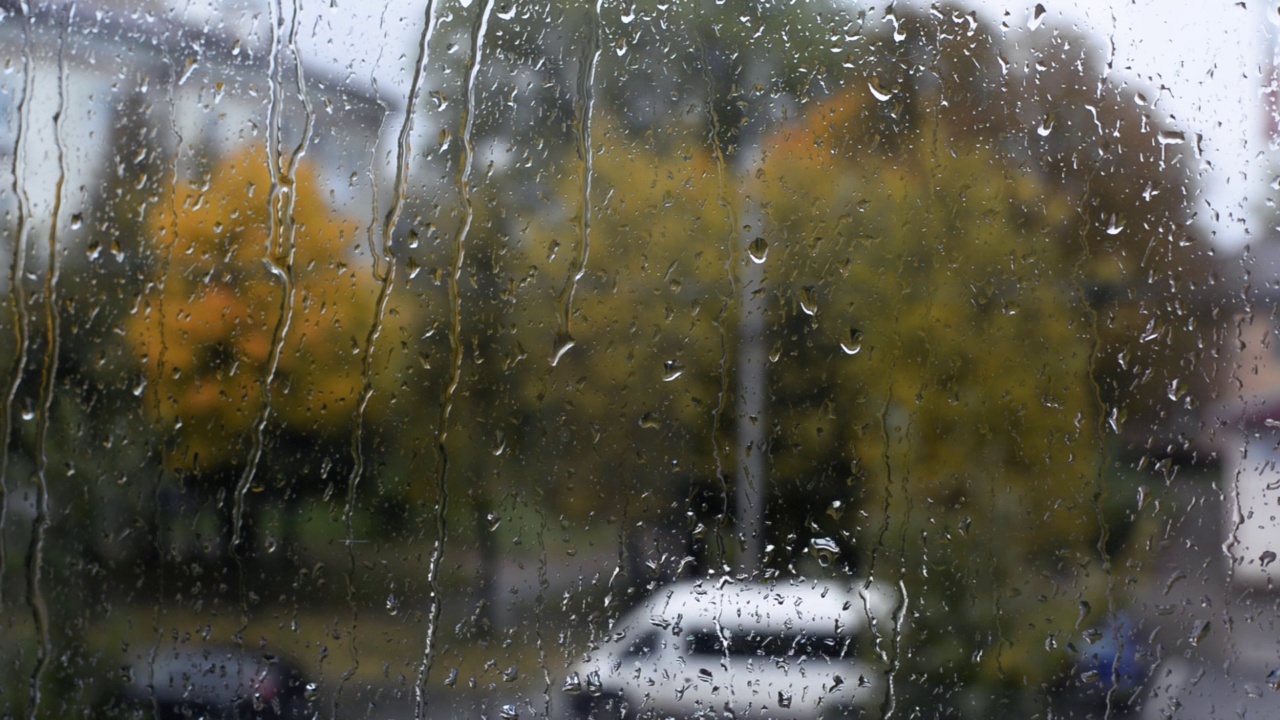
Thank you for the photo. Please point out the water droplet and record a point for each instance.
(628, 13)
(77, 220)
(393, 604)
(671, 370)
(809, 300)
(93, 251)
(1037, 17)
(784, 699)
(878, 90)
(512, 674)
(452, 679)
(311, 692)
(28, 410)
(825, 550)
(494, 520)
(851, 344)
(1273, 679)
(595, 688)
(270, 543)
(649, 421)
(509, 712)
(758, 250)
(1177, 389)
(506, 10)
(563, 343)
(1046, 126)
(1115, 224)
(1266, 558)
(572, 684)
(1199, 632)
(1085, 609)
(836, 510)
(1090, 676)
(1172, 137)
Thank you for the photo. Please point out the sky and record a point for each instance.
(1209, 64)
(1204, 64)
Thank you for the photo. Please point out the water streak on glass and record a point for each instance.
(730, 263)
(584, 104)
(281, 234)
(1100, 492)
(385, 253)
(163, 432)
(474, 64)
(40, 528)
(17, 274)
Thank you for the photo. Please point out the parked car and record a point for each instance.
(219, 682)
(784, 650)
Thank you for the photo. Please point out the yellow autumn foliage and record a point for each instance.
(204, 330)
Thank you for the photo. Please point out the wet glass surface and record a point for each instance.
(696, 358)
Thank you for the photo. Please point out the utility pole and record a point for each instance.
(751, 398)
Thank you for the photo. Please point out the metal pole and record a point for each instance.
(752, 402)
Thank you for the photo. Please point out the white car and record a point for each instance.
(786, 650)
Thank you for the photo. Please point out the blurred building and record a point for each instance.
(1250, 441)
(188, 89)
(1249, 423)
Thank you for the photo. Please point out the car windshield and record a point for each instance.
(404, 359)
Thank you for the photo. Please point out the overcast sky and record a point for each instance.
(1205, 61)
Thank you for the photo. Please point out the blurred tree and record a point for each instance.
(202, 334)
(981, 273)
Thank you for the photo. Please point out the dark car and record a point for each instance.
(219, 683)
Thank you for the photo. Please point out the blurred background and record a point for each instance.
(413, 344)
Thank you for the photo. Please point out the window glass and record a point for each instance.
(448, 357)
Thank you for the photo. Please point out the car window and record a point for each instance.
(388, 359)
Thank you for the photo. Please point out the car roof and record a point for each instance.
(781, 606)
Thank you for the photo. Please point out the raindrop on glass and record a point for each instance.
(809, 300)
(878, 90)
(594, 686)
(1199, 632)
(1115, 225)
(671, 370)
(825, 550)
(1037, 17)
(851, 343)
